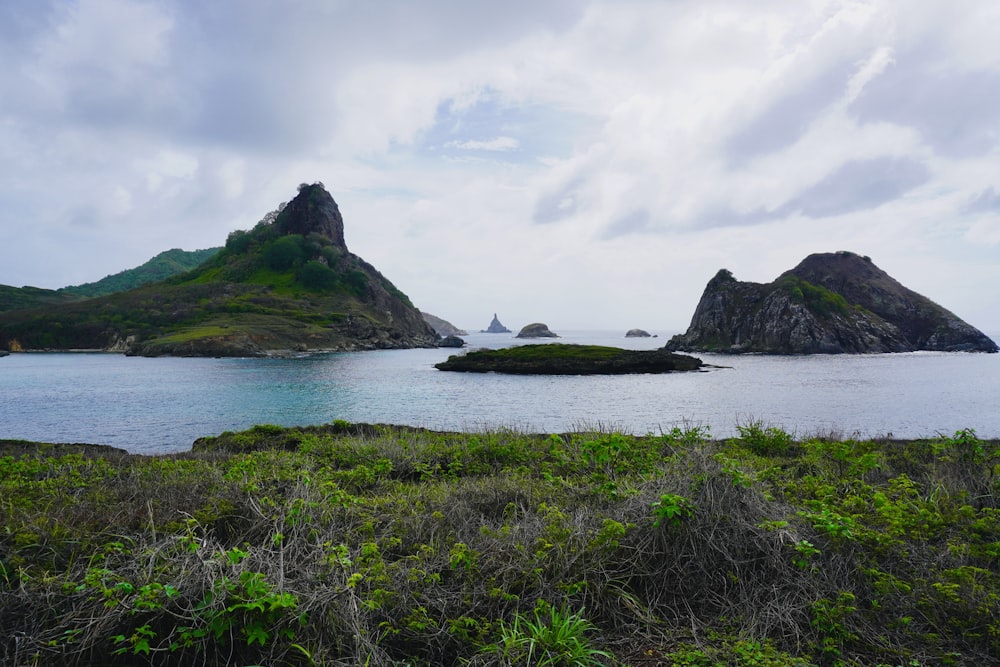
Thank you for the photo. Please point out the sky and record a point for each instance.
(586, 164)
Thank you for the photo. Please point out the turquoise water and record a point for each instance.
(164, 404)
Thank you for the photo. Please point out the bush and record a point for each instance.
(238, 242)
(284, 253)
(317, 276)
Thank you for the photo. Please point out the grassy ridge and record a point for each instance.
(350, 544)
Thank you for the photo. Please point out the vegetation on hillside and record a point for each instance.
(161, 267)
(165, 265)
(14, 298)
(350, 544)
(264, 290)
(818, 299)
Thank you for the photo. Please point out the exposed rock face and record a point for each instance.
(495, 326)
(443, 327)
(830, 303)
(451, 341)
(636, 333)
(313, 211)
(535, 330)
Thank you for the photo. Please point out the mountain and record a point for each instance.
(290, 283)
(830, 303)
(166, 264)
(443, 327)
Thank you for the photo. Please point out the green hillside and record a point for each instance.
(165, 265)
(14, 298)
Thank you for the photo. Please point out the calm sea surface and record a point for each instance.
(163, 405)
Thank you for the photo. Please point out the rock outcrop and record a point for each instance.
(535, 330)
(443, 327)
(313, 211)
(451, 341)
(831, 303)
(636, 333)
(495, 327)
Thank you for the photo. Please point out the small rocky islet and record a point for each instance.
(496, 326)
(570, 359)
(536, 330)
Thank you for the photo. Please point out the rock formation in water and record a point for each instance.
(535, 330)
(495, 326)
(830, 303)
(443, 327)
(451, 341)
(636, 333)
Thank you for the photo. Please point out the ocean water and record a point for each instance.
(162, 405)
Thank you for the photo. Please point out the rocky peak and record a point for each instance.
(312, 211)
(829, 303)
(496, 326)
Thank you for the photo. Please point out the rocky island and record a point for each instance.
(495, 327)
(831, 303)
(535, 330)
(637, 333)
(288, 285)
(569, 359)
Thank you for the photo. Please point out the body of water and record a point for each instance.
(163, 404)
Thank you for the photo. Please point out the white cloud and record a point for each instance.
(587, 164)
(500, 144)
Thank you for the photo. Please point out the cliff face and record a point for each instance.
(313, 211)
(829, 304)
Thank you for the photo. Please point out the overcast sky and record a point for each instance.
(583, 164)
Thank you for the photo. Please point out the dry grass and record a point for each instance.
(354, 544)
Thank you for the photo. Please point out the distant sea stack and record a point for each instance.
(496, 327)
(831, 303)
(536, 330)
(636, 333)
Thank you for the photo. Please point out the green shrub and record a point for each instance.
(285, 252)
(554, 638)
(765, 441)
(316, 275)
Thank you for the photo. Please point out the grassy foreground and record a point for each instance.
(373, 545)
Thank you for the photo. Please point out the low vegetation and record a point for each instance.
(348, 544)
(569, 359)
